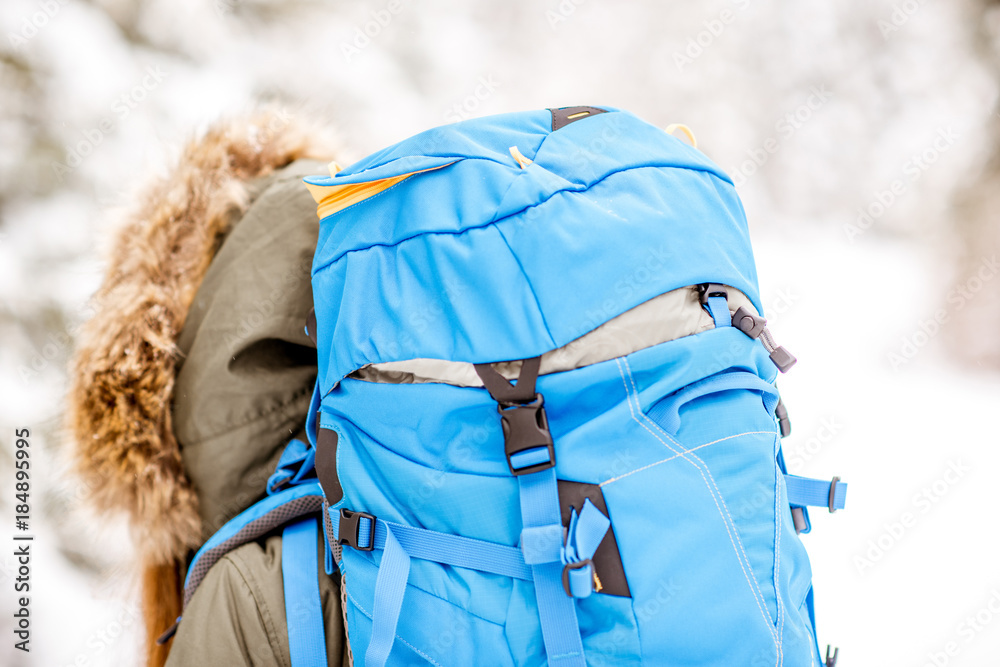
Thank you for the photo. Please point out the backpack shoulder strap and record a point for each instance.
(303, 605)
(270, 513)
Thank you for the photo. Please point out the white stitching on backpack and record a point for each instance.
(398, 638)
(735, 534)
(702, 469)
(777, 549)
(677, 456)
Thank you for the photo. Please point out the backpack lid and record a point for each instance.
(454, 249)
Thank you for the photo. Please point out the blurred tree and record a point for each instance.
(975, 296)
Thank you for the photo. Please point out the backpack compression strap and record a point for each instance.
(532, 459)
(561, 568)
(400, 543)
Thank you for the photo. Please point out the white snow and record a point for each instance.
(874, 397)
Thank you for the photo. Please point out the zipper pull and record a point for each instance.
(756, 327)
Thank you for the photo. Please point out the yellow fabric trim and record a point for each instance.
(516, 154)
(333, 198)
(686, 130)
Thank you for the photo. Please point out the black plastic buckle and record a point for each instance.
(708, 290)
(750, 324)
(525, 426)
(579, 565)
(350, 529)
(784, 423)
(831, 661)
(833, 493)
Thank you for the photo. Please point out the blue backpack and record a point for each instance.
(545, 428)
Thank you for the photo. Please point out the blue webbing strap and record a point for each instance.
(447, 549)
(586, 530)
(390, 587)
(806, 492)
(399, 544)
(526, 439)
(544, 546)
(719, 307)
(303, 607)
(556, 610)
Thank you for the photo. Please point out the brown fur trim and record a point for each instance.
(123, 370)
(161, 605)
(122, 374)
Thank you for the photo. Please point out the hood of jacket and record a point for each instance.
(193, 370)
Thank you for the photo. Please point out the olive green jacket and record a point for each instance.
(242, 392)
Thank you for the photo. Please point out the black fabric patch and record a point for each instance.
(326, 464)
(566, 115)
(607, 559)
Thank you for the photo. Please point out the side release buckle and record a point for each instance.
(527, 440)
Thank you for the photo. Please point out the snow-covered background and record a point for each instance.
(863, 137)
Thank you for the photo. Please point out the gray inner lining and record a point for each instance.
(669, 316)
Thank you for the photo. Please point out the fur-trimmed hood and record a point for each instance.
(122, 377)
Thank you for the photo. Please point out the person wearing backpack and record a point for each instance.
(544, 427)
(193, 373)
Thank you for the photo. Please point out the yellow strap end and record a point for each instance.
(686, 130)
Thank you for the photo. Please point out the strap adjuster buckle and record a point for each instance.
(578, 565)
(709, 290)
(833, 494)
(526, 427)
(349, 531)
